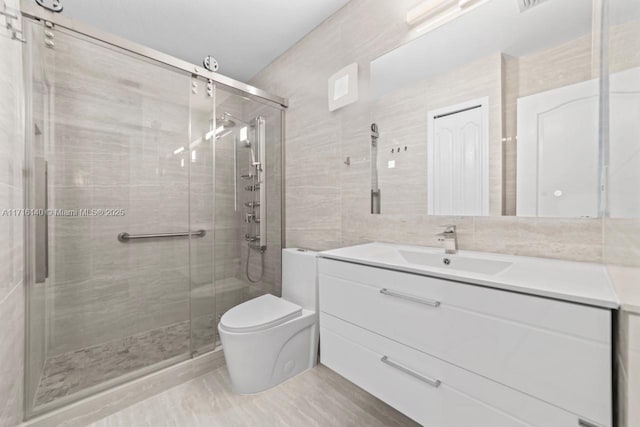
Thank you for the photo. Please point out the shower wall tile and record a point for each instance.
(327, 202)
(12, 290)
(227, 214)
(102, 309)
(11, 356)
(11, 162)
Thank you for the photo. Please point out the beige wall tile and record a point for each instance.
(11, 229)
(328, 202)
(622, 238)
(11, 357)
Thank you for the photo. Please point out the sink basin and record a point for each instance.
(579, 282)
(455, 262)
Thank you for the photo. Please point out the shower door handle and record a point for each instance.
(41, 177)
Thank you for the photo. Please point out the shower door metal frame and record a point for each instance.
(30, 9)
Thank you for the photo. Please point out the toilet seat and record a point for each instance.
(259, 313)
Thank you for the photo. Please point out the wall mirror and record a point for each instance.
(497, 111)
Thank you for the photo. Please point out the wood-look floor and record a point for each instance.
(318, 397)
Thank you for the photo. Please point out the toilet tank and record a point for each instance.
(300, 277)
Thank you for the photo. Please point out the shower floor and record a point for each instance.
(69, 373)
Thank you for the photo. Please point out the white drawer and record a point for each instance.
(558, 352)
(460, 399)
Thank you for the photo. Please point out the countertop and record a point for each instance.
(626, 281)
(578, 282)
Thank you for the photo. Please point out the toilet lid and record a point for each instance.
(259, 313)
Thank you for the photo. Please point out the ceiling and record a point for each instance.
(243, 35)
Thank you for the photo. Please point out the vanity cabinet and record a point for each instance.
(448, 353)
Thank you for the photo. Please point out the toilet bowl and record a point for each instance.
(268, 340)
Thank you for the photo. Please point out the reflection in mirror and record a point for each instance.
(458, 159)
(623, 162)
(499, 112)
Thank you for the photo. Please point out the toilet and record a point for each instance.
(268, 340)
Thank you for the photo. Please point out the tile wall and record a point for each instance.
(11, 228)
(622, 235)
(327, 202)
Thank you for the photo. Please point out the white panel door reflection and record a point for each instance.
(559, 150)
(457, 166)
(558, 157)
(568, 160)
(624, 145)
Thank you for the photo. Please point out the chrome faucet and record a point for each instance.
(449, 238)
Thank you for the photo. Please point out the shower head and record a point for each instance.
(225, 122)
(223, 125)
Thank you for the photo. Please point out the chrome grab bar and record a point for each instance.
(124, 237)
(409, 371)
(429, 302)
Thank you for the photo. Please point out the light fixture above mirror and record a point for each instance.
(432, 14)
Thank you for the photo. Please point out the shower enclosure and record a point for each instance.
(155, 204)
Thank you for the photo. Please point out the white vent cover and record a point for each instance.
(525, 5)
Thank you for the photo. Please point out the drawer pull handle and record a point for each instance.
(409, 371)
(428, 302)
(585, 423)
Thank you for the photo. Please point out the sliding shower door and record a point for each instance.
(121, 163)
(200, 153)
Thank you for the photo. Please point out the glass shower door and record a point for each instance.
(248, 199)
(112, 157)
(201, 194)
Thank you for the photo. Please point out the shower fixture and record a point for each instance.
(222, 135)
(225, 121)
(256, 217)
(375, 189)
